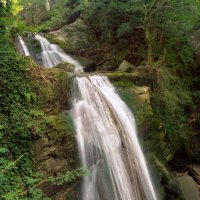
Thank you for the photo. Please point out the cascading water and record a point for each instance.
(25, 50)
(108, 144)
(52, 55)
(106, 135)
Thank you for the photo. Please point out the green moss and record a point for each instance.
(124, 79)
(142, 111)
(53, 89)
(66, 117)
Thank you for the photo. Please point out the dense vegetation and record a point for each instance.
(163, 30)
(19, 113)
(166, 32)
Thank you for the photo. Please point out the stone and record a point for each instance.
(189, 188)
(73, 37)
(66, 66)
(125, 66)
(141, 94)
(194, 171)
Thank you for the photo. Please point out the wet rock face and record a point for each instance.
(52, 154)
(55, 153)
(53, 157)
(188, 187)
(55, 150)
(72, 37)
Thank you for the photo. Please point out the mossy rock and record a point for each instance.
(66, 66)
(150, 127)
(125, 66)
(72, 37)
(34, 47)
(55, 151)
(54, 89)
(124, 79)
(137, 99)
(157, 141)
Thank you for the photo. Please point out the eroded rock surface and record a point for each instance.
(72, 37)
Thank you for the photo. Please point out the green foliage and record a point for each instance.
(68, 177)
(56, 16)
(124, 29)
(170, 98)
(16, 101)
(111, 19)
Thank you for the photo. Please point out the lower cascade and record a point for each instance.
(108, 144)
(106, 135)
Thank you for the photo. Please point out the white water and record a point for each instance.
(23, 46)
(106, 135)
(52, 55)
(109, 148)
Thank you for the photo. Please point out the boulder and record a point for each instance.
(73, 37)
(189, 188)
(141, 99)
(141, 94)
(194, 171)
(125, 67)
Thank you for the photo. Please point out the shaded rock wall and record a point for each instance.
(55, 150)
(72, 37)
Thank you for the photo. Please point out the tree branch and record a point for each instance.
(152, 7)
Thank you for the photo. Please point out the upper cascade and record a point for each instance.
(25, 50)
(53, 55)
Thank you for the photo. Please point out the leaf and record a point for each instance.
(3, 150)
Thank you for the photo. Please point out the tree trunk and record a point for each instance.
(47, 5)
(149, 47)
(33, 16)
(86, 2)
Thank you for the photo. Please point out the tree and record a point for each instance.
(159, 20)
(164, 18)
(32, 6)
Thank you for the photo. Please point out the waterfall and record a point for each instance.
(106, 135)
(52, 55)
(25, 50)
(108, 143)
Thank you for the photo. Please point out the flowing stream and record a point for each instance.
(106, 135)
(53, 55)
(24, 48)
(108, 143)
